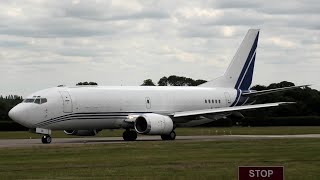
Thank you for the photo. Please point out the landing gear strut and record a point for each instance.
(129, 135)
(46, 139)
(171, 136)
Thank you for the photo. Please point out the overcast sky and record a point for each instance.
(47, 43)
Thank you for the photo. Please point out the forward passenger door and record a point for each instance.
(67, 101)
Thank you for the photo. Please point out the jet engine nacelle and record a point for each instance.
(81, 132)
(153, 124)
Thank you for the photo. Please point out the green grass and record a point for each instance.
(186, 132)
(161, 160)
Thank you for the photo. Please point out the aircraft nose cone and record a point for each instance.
(13, 114)
(20, 114)
(16, 115)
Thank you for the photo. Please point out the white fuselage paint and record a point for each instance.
(113, 104)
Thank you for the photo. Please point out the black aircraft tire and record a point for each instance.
(125, 135)
(46, 139)
(129, 135)
(172, 135)
(133, 135)
(164, 137)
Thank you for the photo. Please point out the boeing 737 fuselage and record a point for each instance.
(86, 110)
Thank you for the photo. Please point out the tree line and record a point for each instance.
(6, 103)
(174, 80)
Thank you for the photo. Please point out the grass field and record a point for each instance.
(186, 132)
(161, 160)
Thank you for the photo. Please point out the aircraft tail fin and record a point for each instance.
(240, 71)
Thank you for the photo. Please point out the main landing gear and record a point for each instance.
(46, 139)
(171, 136)
(129, 135)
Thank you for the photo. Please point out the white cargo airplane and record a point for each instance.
(86, 110)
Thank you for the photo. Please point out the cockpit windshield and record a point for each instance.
(28, 100)
(36, 100)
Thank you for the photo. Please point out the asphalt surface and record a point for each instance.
(7, 143)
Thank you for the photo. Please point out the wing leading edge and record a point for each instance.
(226, 109)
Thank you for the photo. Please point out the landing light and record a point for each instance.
(132, 117)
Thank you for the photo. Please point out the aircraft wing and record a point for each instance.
(257, 93)
(226, 109)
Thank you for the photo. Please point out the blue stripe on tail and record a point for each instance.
(248, 76)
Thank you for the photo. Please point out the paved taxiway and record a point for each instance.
(5, 143)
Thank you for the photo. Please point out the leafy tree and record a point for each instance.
(86, 83)
(163, 81)
(6, 104)
(93, 83)
(258, 87)
(199, 82)
(280, 85)
(148, 82)
(174, 80)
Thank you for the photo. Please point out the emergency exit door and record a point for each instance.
(67, 101)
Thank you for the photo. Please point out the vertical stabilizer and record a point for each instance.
(240, 71)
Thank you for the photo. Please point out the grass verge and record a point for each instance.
(161, 160)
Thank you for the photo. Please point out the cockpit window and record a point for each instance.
(28, 100)
(43, 100)
(36, 100)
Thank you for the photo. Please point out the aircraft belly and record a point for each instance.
(84, 124)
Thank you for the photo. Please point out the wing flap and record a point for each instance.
(226, 109)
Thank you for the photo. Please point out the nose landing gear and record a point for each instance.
(46, 139)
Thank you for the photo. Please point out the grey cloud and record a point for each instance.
(69, 52)
(150, 39)
(130, 16)
(273, 6)
(56, 28)
(290, 7)
(237, 4)
(13, 44)
(106, 12)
